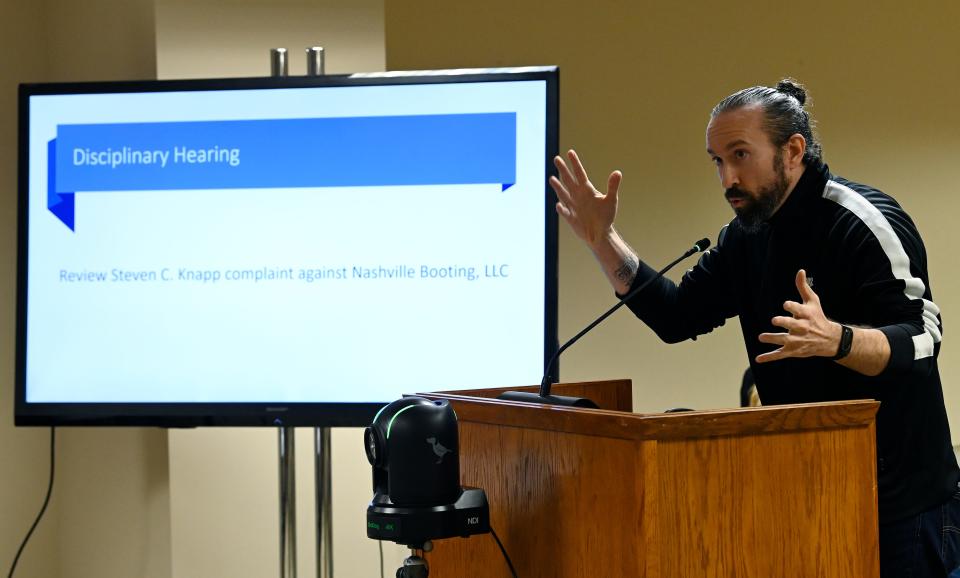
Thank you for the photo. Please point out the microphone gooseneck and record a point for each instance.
(545, 383)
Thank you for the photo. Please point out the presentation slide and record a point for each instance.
(326, 244)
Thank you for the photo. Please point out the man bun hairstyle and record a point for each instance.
(794, 89)
(784, 114)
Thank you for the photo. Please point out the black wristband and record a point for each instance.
(846, 343)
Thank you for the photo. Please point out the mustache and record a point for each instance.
(735, 193)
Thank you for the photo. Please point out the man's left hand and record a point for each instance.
(809, 332)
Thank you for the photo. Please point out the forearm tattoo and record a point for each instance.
(627, 271)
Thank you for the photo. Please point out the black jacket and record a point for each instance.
(869, 268)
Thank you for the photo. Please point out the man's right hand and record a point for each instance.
(589, 212)
(591, 215)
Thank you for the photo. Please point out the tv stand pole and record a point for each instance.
(286, 435)
(323, 470)
(323, 467)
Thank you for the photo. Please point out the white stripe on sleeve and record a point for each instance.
(899, 262)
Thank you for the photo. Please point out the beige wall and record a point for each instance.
(638, 80)
(99, 40)
(113, 503)
(226, 38)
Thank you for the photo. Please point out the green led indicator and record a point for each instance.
(390, 527)
(379, 412)
(373, 525)
(394, 418)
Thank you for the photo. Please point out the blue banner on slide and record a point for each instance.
(447, 149)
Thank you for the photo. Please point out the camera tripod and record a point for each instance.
(414, 566)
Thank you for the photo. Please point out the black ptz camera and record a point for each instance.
(413, 446)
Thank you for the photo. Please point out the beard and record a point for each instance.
(759, 207)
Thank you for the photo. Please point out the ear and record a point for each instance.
(795, 147)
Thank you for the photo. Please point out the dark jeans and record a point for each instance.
(923, 546)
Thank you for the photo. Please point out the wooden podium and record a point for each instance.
(774, 492)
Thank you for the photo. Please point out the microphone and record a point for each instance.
(544, 395)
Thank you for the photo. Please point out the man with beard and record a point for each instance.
(868, 327)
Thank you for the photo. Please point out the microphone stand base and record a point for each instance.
(531, 397)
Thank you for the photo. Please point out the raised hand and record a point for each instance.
(588, 211)
(808, 331)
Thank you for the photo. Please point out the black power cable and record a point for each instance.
(380, 543)
(43, 509)
(504, 551)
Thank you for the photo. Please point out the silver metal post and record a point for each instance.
(324, 485)
(323, 465)
(316, 65)
(286, 435)
(278, 62)
(288, 502)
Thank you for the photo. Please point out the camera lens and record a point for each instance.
(370, 441)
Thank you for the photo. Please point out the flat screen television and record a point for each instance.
(282, 251)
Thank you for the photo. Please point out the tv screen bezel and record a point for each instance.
(320, 414)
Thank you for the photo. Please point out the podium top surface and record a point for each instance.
(617, 421)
